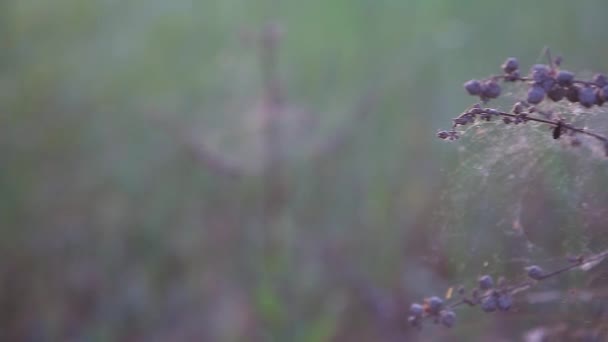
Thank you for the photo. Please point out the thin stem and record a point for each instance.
(526, 117)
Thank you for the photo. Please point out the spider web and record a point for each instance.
(517, 196)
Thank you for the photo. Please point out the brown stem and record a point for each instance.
(527, 117)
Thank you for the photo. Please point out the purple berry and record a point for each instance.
(587, 97)
(547, 83)
(600, 80)
(489, 304)
(448, 318)
(536, 94)
(564, 78)
(416, 309)
(491, 89)
(599, 98)
(504, 302)
(473, 87)
(434, 305)
(485, 282)
(534, 272)
(510, 65)
(540, 72)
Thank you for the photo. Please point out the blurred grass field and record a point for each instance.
(141, 200)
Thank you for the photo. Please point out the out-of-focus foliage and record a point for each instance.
(149, 192)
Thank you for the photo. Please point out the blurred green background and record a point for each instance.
(268, 170)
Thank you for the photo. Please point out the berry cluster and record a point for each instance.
(543, 81)
(489, 296)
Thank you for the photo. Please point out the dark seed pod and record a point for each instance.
(556, 93)
(587, 97)
(557, 131)
(536, 94)
(473, 87)
(491, 89)
(572, 93)
(510, 65)
(564, 78)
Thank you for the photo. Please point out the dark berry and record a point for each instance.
(556, 93)
(540, 72)
(599, 98)
(587, 97)
(473, 87)
(416, 309)
(564, 78)
(489, 304)
(504, 302)
(491, 89)
(510, 65)
(604, 93)
(536, 94)
(507, 120)
(534, 272)
(572, 93)
(547, 83)
(485, 282)
(447, 317)
(434, 305)
(600, 80)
